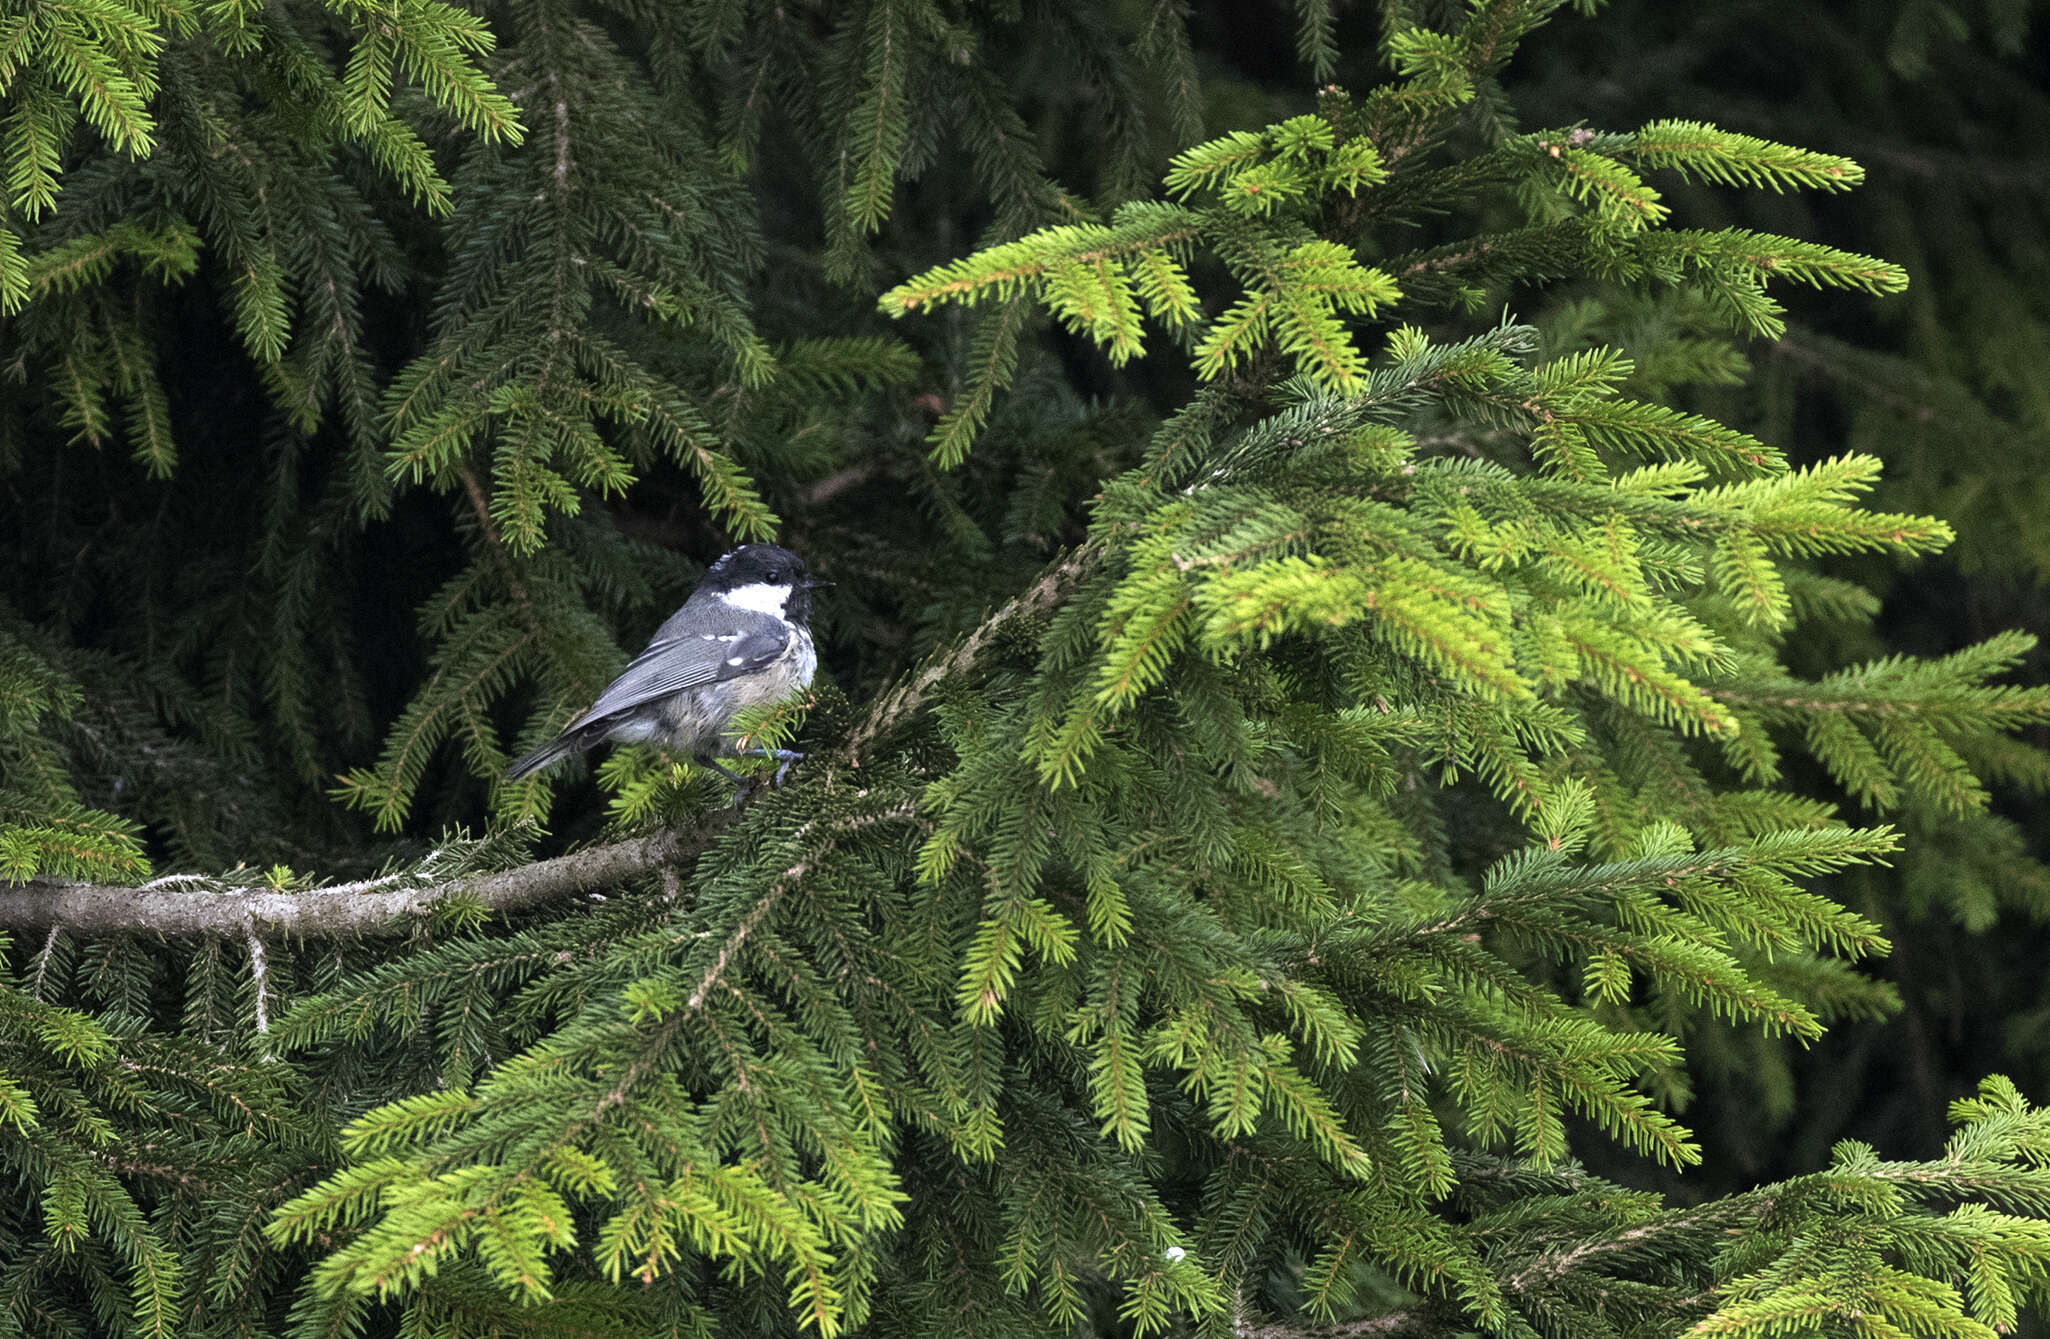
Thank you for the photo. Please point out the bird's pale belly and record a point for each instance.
(694, 720)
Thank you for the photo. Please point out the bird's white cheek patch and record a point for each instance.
(760, 597)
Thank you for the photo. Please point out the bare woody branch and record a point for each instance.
(1396, 1325)
(181, 904)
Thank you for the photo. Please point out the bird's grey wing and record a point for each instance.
(673, 664)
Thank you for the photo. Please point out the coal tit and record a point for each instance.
(742, 639)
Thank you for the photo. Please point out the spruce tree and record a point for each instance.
(1305, 749)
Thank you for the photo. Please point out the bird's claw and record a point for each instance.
(784, 757)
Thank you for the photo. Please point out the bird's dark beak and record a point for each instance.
(813, 583)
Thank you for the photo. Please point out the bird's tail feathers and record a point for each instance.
(554, 751)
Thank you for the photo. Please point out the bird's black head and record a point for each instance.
(763, 577)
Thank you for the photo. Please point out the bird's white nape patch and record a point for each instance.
(759, 596)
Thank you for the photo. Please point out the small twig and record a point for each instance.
(1053, 586)
(835, 484)
(43, 962)
(259, 973)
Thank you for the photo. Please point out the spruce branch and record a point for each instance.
(902, 702)
(190, 904)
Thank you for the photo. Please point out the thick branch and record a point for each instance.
(1391, 1326)
(182, 904)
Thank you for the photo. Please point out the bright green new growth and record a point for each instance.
(1257, 201)
(1095, 278)
(1236, 929)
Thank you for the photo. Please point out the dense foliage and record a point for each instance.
(1322, 734)
(1946, 383)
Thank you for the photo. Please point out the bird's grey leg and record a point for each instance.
(783, 756)
(735, 777)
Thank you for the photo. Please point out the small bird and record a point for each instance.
(742, 639)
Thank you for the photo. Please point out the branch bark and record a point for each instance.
(1391, 1326)
(187, 904)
